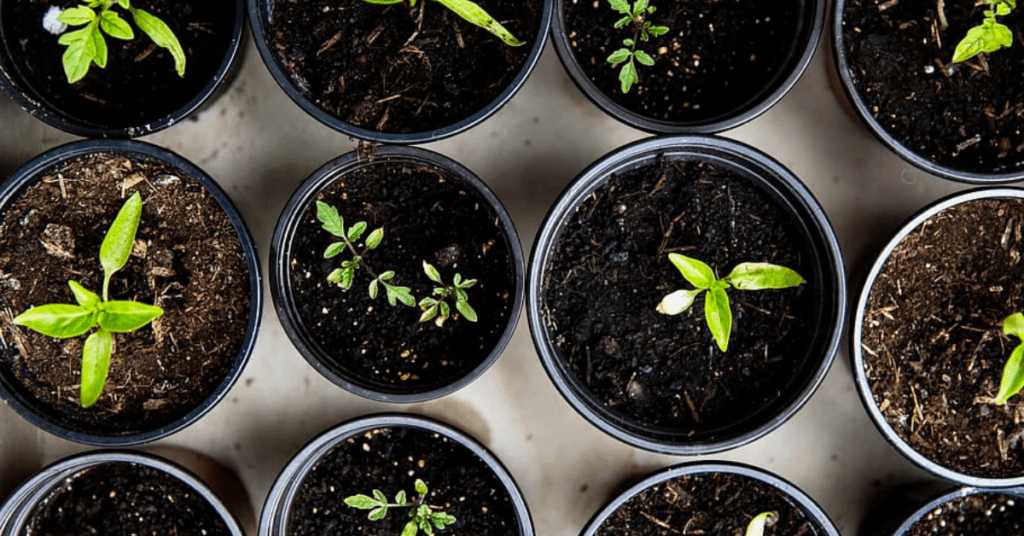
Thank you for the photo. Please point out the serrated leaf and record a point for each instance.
(374, 239)
(756, 525)
(373, 289)
(762, 275)
(117, 244)
(127, 316)
(988, 37)
(77, 16)
(696, 272)
(678, 301)
(356, 231)
(79, 55)
(95, 366)
(379, 513)
(639, 7)
(410, 528)
(431, 272)
(421, 487)
(442, 520)
(85, 297)
(361, 502)
(467, 312)
(335, 276)
(162, 36)
(115, 26)
(719, 316)
(622, 6)
(401, 294)
(627, 76)
(474, 14)
(59, 320)
(643, 58)
(623, 21)
(332, 221)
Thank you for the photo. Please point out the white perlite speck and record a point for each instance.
(50, 22)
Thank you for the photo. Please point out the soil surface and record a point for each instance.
(139, 83)
(968, 116)
(710, 503)
(398, 69)
(124, 498)
(187, 260)
(982, 514)
(391, 459)
(716, 58)
(427, 215)
(933, 344)
(610, 269)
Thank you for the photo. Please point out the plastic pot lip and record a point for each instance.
(285, 232)
(839, 56)
(694, 468)
(64, 120)
(857, 333)
(259, 17)
(949, 496)
(774, 176)
(19, 506)
(276, 508)
(11, 188)
(738, 116)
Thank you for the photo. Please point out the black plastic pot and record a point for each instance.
(797, 498)
(278, 508)
(12, 392)
(260, 18)
(801, 48)
(19, 508)
(42, 107)
(285, 299)
(905, 508)
(775, 182)
(857, 334)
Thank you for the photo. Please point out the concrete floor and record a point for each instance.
(260, 146)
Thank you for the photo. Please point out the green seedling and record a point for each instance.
(989, 36)
(438, 308)
(471, 13)
(1013, 372)
(756, 525)
(87, 46)
(64, 321)
(745, 276)
(345, 276)
(424, 517)
(642, 30)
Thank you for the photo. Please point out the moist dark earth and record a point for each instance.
(982, 514)
(968, 116)
(715, 59)
(124, 498)
(610, 269)
(397, 69)
(139, 83)
(708, 503)
(391, 459)
(933, 344)
(427, 214)
(187, 260)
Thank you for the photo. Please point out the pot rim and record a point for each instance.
(285, 232)
(26, 174)
(776, 181)
(260, 13)
(274, 516)
(857, 333)
(949, 496)
(806, 42)
(41, 109)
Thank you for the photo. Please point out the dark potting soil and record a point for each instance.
(121, 498)
(708, 503)
(187, 260)
(390, 460)
(716, 57)
(139, 83)
(933, 344)
(982, 514)
(427, 215)
(967, 116)
(397, 69)
(610, 269)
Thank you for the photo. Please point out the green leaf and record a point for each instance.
(356, 231)
(427, 302)
(348, 276)
(460, 295)
(622, 6)
(77, 16)
(425, 523)
(657, 31)
(379, 513)
(85, 297)
(619, 56)
(762, 275)
(334, 249)
(117, 244)
(428, 313)
(79, 55)
(467, 283)
(328, 215)
(628, 42)
(127, 316)
(361, 502)
(442, 520)
(467, 312)
(335, 276)
(627, 76)
(988, 37)
(719, 316)
(100, 44)
(643, 58)
(443, 309)
(431, 272)
(410, 528)
(373, 289)
(387, 276)
(162, 35)
(126, 4)
(639, 7)
(379, 495)
(756, 526)
(421, 487)
(401, 294)
(696, 272)
(115, 26)
(60, 320)
(1013, 376)
(374, 239)
(474, 14)
(623, 21)
(678, 301)
(1014, 325)
(400, 498)
(95, 366)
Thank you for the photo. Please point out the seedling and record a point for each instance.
(64, 321)
(87, 46)
(756, 525)
(438, 307)
(471, 13)
(989, 36)
(642, 30)
(1013, 372)
(424, 517)
(745, 276)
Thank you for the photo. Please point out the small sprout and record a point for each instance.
(756, 526)
(471, 13)
(424, 517)
(87, 46)
(745, 276)
(642, 30)
(1013, 372)
(989, 36)
(437, 308)
(64, 321)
